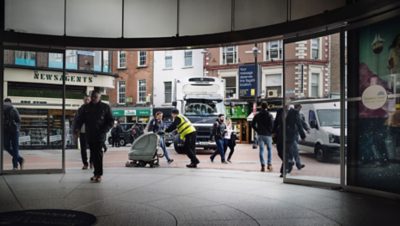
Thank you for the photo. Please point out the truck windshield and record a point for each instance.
(329, 117)
(203, 107)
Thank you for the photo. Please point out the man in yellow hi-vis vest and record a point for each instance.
(187, 133)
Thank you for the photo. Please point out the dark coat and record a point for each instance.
(12, 119)
(263, 123)
(294, 126)
(97, 119)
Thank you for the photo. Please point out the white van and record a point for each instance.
(323, 120)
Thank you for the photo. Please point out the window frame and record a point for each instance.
(139, 63)
(119, 92)
(119, 60)
(139, 91)
(168, 54)
(185, 58)
(224, 54)
(313, 47)
(267, 50)
(165, 92)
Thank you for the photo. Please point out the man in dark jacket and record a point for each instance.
(11, 133)
(82, 138)
(187, 133)
(262, 124)
(219, 129)
(98, 120)
(294, 128)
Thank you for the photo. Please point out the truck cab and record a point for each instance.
(201, 100)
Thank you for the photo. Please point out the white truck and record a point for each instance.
(323, 119)
(201, 100)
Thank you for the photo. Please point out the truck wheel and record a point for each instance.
(179, 149)
(319, 153)
(110, 141)
(122, 142)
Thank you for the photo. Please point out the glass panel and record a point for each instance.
(313, 125)
(72, 59)
(33, 122)
(204, 17)
(161, 23)
(121, 92)
(106, 61)
(168, 92)
(374, 123)
(55, 60)
(142, 91)
(87, 18)
(188, 58)
(97, 61)
(38, 16)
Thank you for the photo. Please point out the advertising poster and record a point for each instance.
(378, 155)
(247, 81)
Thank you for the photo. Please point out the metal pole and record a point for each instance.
(342, 109)
(1, 105)
(255, 52)
(63, 111)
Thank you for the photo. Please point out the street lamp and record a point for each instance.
(255, 53)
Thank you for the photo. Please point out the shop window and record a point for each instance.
(121, 92)
(168, 59)
(55, 60)
(168, 92)
(229, 55)
(121, 59)
(188, 55)
(97, 61)
(72, 59)
(142, 91)
(274, 85)
(25, 58)
(142, 58)
(106, 61)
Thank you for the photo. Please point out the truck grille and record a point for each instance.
(203, 133)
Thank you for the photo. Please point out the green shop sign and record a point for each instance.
(132, 112)
(237, 112)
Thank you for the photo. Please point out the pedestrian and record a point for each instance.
(262, 124)
(98, 120)
(12, 123)
(294, 128)
(156, 126)
(277, 136)
(296, 155)
(187, 133)
(229, 139)
(115, 134)
(219, 130)
(82, 138)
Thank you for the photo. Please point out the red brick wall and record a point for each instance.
(131, 74)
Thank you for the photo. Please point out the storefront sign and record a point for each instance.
(49, 76)
(131, 112)
(247, 81)
(118, 113)
(143, 112)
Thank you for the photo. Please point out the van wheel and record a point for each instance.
(319, 153)
(122, 142)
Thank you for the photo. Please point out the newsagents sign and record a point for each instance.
(247, 81)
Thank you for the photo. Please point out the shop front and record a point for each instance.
(237, 112)
(37, 95)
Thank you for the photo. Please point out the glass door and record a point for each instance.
(34, 132)
(313, 121)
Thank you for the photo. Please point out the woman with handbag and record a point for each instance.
(229, 139)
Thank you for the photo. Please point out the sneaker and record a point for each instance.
(269, 168)
(191, 165)
(301, 166)
(229, 161)
(170, 161)
(95, 179)
(21, 163)
(85, 167)
(224, 162)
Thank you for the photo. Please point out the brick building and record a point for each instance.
(131, 99)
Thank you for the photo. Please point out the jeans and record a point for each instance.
(162, 145)
(227, 143)
(262, 140)
(296, 155)
(220, 150)
(84, 145)
(11, 145)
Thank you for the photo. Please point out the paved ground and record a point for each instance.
(179, 196)
(245, 158)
